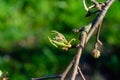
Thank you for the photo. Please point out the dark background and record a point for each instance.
(26, 52)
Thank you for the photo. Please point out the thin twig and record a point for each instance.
(79, 70)
(67, 70)
(98, 42)
(47, 77)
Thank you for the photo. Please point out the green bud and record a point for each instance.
(60, 41)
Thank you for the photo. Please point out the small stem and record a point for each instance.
(67, 70)
(85, 6)
(81, 73)
(98, 42)
(98, 32)
(47, 77)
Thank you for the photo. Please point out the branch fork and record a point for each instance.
(97, 5)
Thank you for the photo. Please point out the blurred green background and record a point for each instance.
(26, 52)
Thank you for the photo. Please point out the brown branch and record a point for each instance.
(47, 77)
(67, 70)
(77, 58)
(99, 18)
(85, 38)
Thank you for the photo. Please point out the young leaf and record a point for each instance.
(60, 41)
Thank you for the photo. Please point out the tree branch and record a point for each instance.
(85, 35)
(76, 63)
(99, 18)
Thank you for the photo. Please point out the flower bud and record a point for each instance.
(96, 53)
